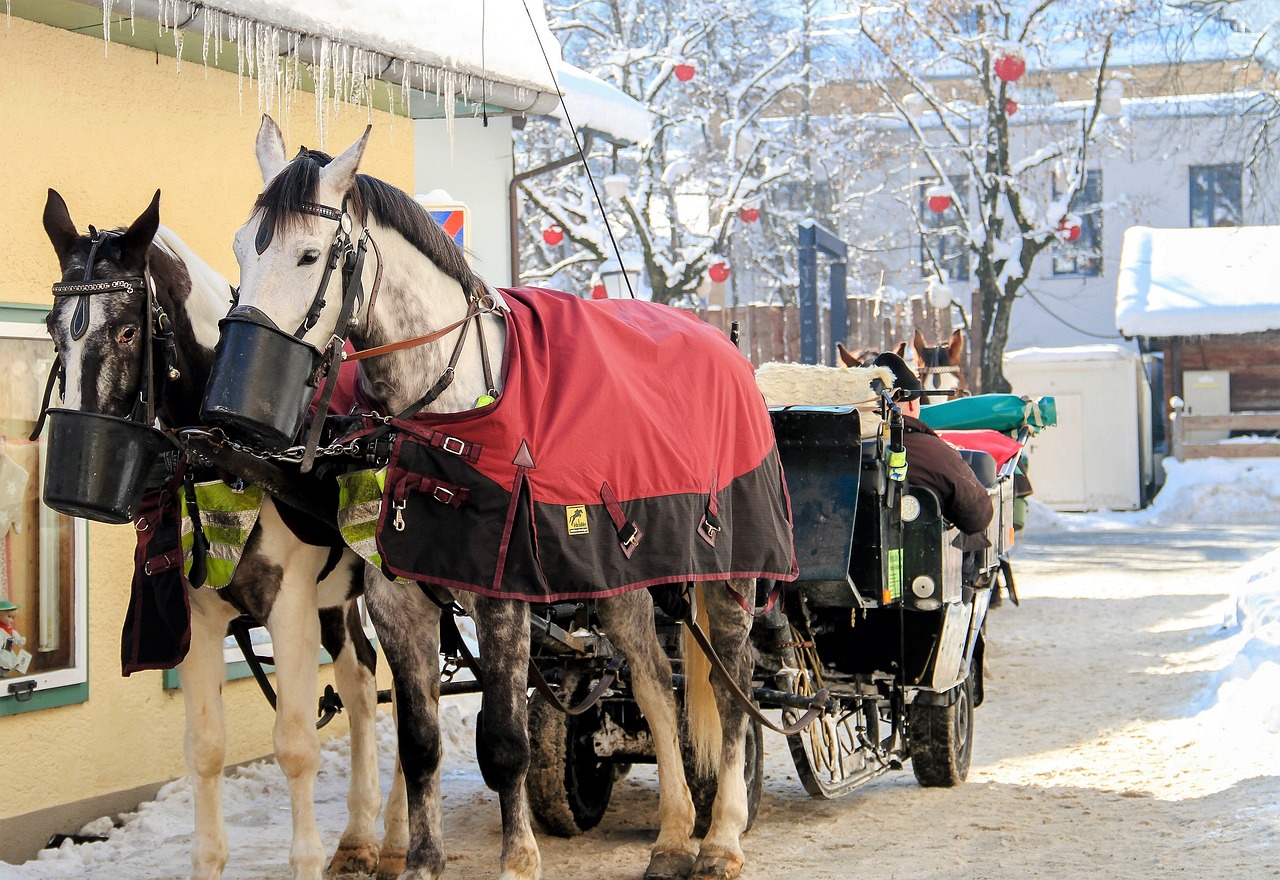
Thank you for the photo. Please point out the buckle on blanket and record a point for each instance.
(441, 494)
(459, 447)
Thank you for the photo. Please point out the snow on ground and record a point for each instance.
(1136, 743)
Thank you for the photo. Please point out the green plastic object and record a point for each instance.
(997, 412)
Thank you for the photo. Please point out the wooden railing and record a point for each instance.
(1183, 423)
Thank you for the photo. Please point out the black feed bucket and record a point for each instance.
(260, 386)
(97, 465)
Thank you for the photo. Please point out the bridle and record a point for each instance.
(938, 370)
(351, 256)
(158, 343)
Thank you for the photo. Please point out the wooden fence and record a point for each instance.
(1182, 424)
(772, 332)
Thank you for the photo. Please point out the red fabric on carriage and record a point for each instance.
(624, 399)
(1001, 446)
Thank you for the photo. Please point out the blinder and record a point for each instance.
(99, 463)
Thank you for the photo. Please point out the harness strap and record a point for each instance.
(606, 681)
(57, 374)
(481, 306)
(816, 705)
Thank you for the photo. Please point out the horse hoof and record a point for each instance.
(717, 868)
(358, 859)
(669, 866)
(390, 865)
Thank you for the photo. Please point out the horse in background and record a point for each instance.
(301, 589)
(938, 366)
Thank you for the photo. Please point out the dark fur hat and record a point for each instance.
(906, 383)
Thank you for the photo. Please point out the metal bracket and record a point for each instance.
(22, 690)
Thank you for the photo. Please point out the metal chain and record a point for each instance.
(217, 438)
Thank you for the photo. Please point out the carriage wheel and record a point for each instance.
(568, 784)
(942, 739)
(703, 787)
(829, 755)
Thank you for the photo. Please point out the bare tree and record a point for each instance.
(946, 68)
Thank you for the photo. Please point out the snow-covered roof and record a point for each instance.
(491, 52)
(1073, 353)
(1198, 282)
(596, 105)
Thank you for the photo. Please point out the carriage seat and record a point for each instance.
(983, 465)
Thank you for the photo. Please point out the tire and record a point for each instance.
(942, 739)
(568, 784)
(703, 788)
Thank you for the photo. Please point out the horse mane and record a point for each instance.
(283, 200)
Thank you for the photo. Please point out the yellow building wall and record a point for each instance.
(106, 126)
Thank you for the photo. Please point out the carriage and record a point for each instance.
(887, 617)
(873, 658)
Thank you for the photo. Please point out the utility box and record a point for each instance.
(1099, 455)
(1206, 393)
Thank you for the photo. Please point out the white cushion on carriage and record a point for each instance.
(813, 385)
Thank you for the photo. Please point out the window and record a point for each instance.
(1084, 255)
(943, 244)
(1215, 195)
(43, 621)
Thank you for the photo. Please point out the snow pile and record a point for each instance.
(1251, 681)
(1218, 490)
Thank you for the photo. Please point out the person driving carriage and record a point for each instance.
(934, 464)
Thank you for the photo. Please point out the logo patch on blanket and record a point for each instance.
(629, 447)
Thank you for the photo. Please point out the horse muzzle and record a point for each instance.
(98, 464)
(261, 384)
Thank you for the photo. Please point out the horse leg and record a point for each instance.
(502, 628)
(395, 838)
(721, 855)
(408, 625)
(353, 668)
(202, 673)
(628, 622)
(295, 642)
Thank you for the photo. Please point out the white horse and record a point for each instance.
(420, 282)
(302, 589)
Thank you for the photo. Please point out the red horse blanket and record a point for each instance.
(629, 447)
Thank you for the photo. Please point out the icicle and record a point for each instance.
(179, 37)
(133, 19)
(107, 7)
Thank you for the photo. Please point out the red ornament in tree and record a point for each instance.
(553, 234)
(598, 292)
(1010, 107)
(685, 72)
(1069, 228)
(718, 272)
(749, 215)
(1010, 68)
(939, 203)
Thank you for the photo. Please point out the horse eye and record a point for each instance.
(127, 335)
(308, 257)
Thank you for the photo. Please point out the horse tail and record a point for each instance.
(702, 718)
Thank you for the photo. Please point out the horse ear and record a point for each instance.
(340, 174)
(956, 350)
(846, 357)
(137, 238)
(59, 227)
(270, 149)
(902, 350)
(918, 343)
